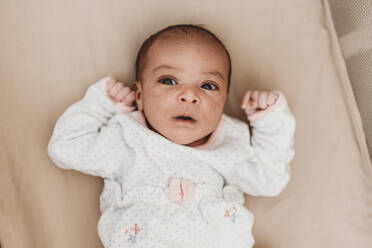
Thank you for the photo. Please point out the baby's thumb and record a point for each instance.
(250, 111)
(245, 99)
(124, 108)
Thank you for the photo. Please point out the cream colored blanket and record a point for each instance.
(51, 51)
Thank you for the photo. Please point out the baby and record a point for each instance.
(175, 167)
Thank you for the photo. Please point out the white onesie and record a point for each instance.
(137, 164)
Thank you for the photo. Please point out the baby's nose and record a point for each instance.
(185, 99)
(189, 96)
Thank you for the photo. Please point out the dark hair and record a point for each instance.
(188, 29)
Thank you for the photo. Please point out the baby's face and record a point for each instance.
(183, 90)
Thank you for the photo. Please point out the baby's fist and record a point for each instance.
(122, 96)
(257, 102)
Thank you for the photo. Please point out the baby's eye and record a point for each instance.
(167, 81)
(209, 86)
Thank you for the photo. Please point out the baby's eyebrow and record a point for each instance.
(215, 73)
(164, 67)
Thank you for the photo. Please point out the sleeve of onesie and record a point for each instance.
(267, 172)
(87, 138)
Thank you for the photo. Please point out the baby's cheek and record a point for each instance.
(213, 115)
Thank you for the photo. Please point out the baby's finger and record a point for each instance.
(129, 99)
(110, 83)
(122, 94)
(245, 99)
(262, 99)
(272, 97)
(250, 111)
(116, 88)
(254, 99)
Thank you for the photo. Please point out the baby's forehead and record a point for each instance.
(164, 43)
(198, 41)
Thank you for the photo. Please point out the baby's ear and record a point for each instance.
(138, 96)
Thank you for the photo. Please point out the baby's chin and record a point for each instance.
(188, 140)
(181, 136)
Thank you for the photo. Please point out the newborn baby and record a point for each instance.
(175, 167)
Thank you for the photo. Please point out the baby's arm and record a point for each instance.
(87, 138)
(273, 127)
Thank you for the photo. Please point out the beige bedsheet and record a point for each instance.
(51, 51)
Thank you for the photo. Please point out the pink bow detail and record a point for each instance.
(180, 190)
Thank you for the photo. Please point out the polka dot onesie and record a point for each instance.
(93, 136)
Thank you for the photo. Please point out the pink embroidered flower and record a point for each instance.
(231, 213)
(180, 190)
(132, 233)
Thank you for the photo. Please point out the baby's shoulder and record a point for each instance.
(234, 122)
(235, 127)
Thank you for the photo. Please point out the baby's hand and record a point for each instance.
(258, 101)
(122, 96)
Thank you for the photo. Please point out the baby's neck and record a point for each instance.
(200, 142)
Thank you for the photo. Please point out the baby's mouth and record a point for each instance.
(185, 119)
